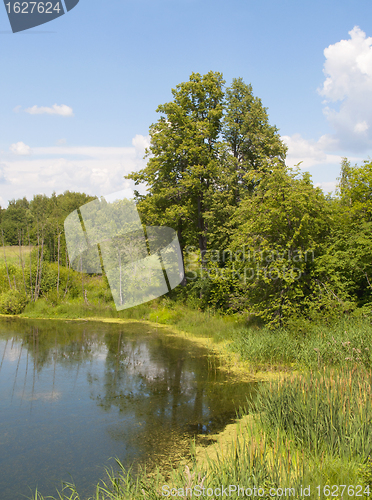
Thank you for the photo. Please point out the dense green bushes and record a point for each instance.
(19, 287)
(13, 302)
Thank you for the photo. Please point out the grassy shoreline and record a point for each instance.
(251, 348)
(312, 375)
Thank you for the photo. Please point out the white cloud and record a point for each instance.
(348, 66)
(361, 127)
(140, 143)
(327, 187)
(93, 170)
(20, 149)
(347, 90)
(61, 110)
(2, 175)
(310, 153)
(348, 84)
(316, 158)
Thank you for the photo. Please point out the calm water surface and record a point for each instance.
(75, 394)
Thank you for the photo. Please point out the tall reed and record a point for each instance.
(323, 412)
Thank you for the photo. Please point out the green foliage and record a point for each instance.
(184, 154)
(323, 413)
(216, 174)
(41, 220)
(163, 315)
(345, 266)
(254, 143)
(195, 180)
(14, 220)
(312, 345)
(13, 302)
(366, 472)
(251, 148)
(214, 289)
(281, 229)
(355, 189)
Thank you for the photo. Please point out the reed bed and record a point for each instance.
(326, 413)
(344, 343)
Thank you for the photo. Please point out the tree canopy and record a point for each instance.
(202, 149)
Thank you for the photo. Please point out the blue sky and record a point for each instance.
(77, 95)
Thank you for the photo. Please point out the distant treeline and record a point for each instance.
(40, 221)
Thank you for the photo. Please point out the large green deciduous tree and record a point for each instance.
(252, 148)
(202, 148)
(183, 158)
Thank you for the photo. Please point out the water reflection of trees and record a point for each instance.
(159, 385)
(164, 384)
(50, 342)
(155, 377)
(45, 345)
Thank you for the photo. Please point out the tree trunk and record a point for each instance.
(120, 290)
(29, 245)
(68, 275)
(21, 260)
(180, 240)
(6, 264)
(40, 267)
(202, 233)
(37, 264)
(59, 242)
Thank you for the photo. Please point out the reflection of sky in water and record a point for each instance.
(74, 395)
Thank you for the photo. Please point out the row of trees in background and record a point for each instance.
(40, 267)
(256, 236)
(40, 222)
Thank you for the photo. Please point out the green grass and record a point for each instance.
(346, 342)
(12, 254)
(327, 412)
(162, 310)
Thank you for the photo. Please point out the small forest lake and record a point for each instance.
(75, 394)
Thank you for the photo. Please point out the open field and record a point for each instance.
(13, 254)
